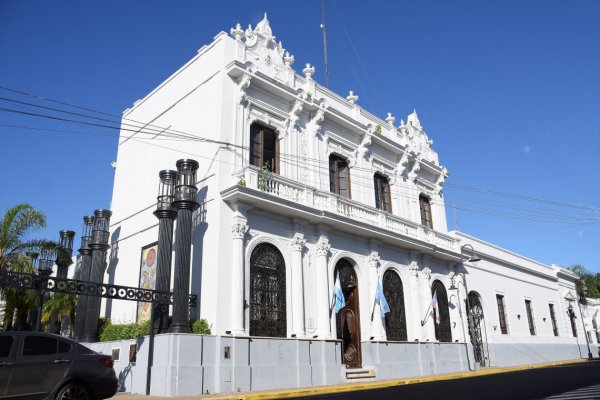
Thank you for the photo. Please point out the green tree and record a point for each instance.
(16, 225)
(62, 306)
(19, 301)
(587, 278)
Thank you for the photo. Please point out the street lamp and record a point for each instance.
(587, 340)
(99, 246)
(47, 260)
(83, 275)
(166, 214)
(65, 253)
(473, 259)
(185, 204)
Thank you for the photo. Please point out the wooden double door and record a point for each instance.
(348, 318)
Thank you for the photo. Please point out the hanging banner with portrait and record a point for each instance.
(147, 278)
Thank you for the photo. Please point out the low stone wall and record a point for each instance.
(193, 364)
(187, 364)
(511, 354)
(394, 360)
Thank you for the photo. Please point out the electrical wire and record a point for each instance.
(291, 159)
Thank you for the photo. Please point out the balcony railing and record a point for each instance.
(288, 189)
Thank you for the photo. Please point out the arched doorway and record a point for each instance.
(267, 292)
(348, 318)
(443, 331)
(395, 320)
(475, 315)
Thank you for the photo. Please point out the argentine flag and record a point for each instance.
(339, 295)
(383, 304)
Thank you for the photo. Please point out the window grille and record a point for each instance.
(475, 314)
(443, 331)
(267, 292)
(501, 314)
(553, 319)
(572, 318)
(530, 317)
(395, 320)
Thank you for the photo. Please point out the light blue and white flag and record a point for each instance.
(383, 304)
(340, 302)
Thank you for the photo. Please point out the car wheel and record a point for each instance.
(74, 391)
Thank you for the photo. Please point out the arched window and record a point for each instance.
(475, 312)
(395, 320)
(264, 148)
(267, 292)
(443, 332)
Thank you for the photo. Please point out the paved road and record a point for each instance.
(534, 384)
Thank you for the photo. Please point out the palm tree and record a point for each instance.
(60, 306)
(18, 300)
(16, 224)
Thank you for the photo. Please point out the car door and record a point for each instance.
(41, 365)
(7, 344)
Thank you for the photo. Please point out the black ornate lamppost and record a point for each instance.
(185, 204)
(63, 259)
(166, 214)
(99, 246)
(47, 259)
(585, 292)
(85, 253)
(31, 315)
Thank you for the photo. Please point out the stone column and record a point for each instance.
(297, 246)
(374, 306)
(428, 329)
(238, 230)
(415, 299)
(323, 303)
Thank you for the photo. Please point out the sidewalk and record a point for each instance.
(347, 387)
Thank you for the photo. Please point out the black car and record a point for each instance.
(44, 366)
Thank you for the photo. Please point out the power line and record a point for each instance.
(290, 157)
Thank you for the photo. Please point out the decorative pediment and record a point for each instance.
(263, 50)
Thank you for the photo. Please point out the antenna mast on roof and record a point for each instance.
(324, 43)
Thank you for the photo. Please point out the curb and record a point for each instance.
(282, 394)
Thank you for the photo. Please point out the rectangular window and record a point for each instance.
(264, 148)
(501, 314)
(530, 317)
(339, 176)
(425, 205)
(572, 318)
(383, 200)
(553, 319)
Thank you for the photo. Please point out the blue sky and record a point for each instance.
(508, 91)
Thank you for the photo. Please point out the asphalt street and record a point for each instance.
(533, 384)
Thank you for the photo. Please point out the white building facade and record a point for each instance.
(299, 186)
